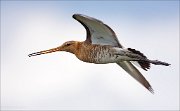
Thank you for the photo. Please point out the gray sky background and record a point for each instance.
(60, 81)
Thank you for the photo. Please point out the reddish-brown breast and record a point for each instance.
(91, 53)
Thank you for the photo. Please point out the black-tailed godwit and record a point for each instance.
(102, 46)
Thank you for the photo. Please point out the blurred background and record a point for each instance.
(59, 81)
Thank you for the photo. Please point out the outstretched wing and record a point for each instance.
(134, 72)
(100, 33)
(97, 31)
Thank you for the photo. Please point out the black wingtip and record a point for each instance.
(151, 89)
(75, 15)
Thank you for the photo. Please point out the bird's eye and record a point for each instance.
(68, 44)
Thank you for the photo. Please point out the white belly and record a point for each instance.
(111, 56)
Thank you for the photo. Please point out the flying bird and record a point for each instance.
(102, 46)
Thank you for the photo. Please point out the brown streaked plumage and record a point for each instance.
(102, 46)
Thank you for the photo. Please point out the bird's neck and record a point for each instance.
(75, 48)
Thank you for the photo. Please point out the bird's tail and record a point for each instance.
(157, 62)
(143, 61)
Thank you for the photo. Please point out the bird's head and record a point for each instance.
(70, 46)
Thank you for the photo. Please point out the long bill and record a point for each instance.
(45, 51)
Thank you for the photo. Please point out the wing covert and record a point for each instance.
(97, 31)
